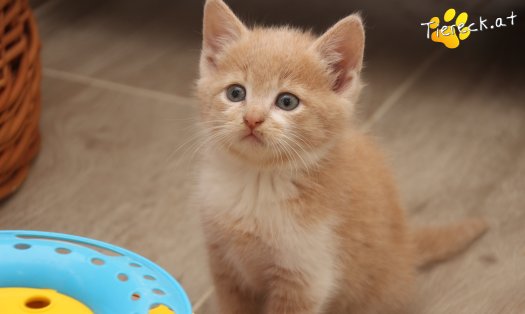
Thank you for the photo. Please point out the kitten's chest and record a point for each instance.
(253, 200)
(254, 216)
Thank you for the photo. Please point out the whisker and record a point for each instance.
(295, 151)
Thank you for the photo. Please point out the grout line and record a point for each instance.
(123, 88)
(393, 98)
(37, 8)
(203, 300)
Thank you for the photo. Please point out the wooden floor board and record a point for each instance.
(107, 171)
(457, 145)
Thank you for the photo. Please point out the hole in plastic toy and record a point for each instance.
(97, 261)
(159, 292)
(149, 277)
(122, 277)
(36, 303)
(135, 265)
(135, 296)
(62, 250)
(22, 246)
(99, 249)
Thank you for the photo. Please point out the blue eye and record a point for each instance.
(287, 101)
(236, 93)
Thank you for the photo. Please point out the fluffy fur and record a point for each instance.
(300, 213)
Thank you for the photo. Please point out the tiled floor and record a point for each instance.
(117, 106)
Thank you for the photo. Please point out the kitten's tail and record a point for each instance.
(435, 244)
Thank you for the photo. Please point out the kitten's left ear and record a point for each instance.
(341, 47)
(220, 28)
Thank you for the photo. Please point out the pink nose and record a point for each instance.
(253, 121)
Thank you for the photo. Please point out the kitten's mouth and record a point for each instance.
(253, 138)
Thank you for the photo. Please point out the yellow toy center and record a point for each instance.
(48, 301)
(45, 301)
(161, 309)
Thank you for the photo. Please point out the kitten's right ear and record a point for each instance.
(220, 28)
(341, 47)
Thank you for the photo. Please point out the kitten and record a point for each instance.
(300, 212)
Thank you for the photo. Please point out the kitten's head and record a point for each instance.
(277, 96)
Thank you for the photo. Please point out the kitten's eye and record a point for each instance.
(236, 93)
(287, 101)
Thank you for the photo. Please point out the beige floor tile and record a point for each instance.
(209, 307)
(149, 44)
(457, 136)
(490, 277)
(107, 171)
(457, 146)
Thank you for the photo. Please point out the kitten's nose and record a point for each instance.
(253, 120)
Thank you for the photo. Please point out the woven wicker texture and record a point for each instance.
(20, 73)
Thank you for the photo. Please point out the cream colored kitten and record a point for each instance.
(300, 212)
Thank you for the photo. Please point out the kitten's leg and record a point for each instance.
(232, 298)
(293, 293)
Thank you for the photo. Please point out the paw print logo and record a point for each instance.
(450, 35)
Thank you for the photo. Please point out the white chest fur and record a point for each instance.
(255, 198)
(255, 202)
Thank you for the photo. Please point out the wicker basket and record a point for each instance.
(20, 73)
